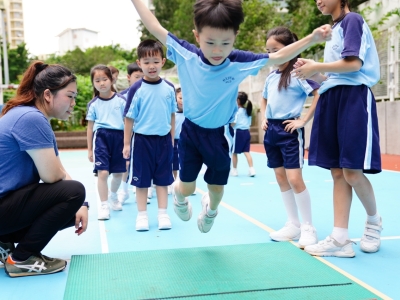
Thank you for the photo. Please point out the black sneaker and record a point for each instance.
(5, 251)
(34, 265)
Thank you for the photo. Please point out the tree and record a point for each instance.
(18, 61)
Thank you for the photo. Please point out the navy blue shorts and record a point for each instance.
(345, 131)
(175, 160)
(284, 149)
(151, 160)
(211, 146)
(107, 150)
(242, 141)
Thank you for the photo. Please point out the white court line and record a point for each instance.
(382, 238)
(269, 229)
(102, 226)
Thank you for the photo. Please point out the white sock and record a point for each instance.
(113, 195)
(162, 211)
(181, 200)
(291, 207)
(104, 203)
(211, 212)
(142, 213)
(375, 219)
(340, 234)
(303, 202)
(125, 186)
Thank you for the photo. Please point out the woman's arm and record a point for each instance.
(150, 21)
(48, 165)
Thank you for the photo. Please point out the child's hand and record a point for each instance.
(264, 125)
(292, 125)
(126, 152)
(305, 68)
(90, 155)
(322, 33)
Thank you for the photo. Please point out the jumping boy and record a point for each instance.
(209, 78)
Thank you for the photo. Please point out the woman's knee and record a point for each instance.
(76, 191)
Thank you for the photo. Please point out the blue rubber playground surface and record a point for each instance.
(251, 208)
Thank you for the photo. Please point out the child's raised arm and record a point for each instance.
(150, 21)
(319, 34)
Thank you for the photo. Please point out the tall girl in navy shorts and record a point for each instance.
(241, 126)
(345, 135)
(282, 104)
(105, 135)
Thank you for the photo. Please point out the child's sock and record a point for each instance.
(340, 234)
(162, 211)
(375, 219)
(211, 212)
(125, 186)
(303, 202)
(142, 213)
(291, 207)
(113, 196)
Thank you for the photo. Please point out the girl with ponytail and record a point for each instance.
(282, 104)
(241, 126)
(32, 212)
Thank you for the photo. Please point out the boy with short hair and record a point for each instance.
(151, 106)
(210, 77)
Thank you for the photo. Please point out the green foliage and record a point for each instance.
(8, 94)
(18, 61)
(81, 62)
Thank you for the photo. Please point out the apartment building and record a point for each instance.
(13, 19)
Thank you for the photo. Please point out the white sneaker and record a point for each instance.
(194, 192)
(234, 172)
(289, 232)
(164, 222)
(371, 240)
(115, 204)
(142, 223)
(204, 221)
(123, 196)
(134, 189)
(170, 188)
(150, 193)
(308, 235)
(252, 172)
(331, 247)
(104, 212)
(183, 210)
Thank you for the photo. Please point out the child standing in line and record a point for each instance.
(282, 104)
(179, 118)
(134, 74)
(345, 134)
(114, 73)
(151, 106)
(242, 137)
(105, 137)
(210, 77)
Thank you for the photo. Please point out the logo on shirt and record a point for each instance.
(135, 178)
(228, 79)
(335, 47)
(117, 107)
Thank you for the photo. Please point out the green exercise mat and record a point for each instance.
(254, 271)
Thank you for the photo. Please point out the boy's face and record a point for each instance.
(216, 44)
(151, 66)
(134, 77)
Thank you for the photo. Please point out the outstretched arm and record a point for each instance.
(150, 21)
(320, 34)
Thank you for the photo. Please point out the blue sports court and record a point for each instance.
(249, 261)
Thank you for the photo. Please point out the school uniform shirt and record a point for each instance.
(210, 92)
(352, 37)
(22, 128)
(179, 118)
(286, 103)
(150, 104)
(242, 120)
(107, 113)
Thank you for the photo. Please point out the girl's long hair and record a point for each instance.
(36, 79)
(243, 99)
(285, 37)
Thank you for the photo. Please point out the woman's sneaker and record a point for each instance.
(308, 236)
(5, 251)
(331, 247)
(371, 240)
(34, 265)
(289, 232)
